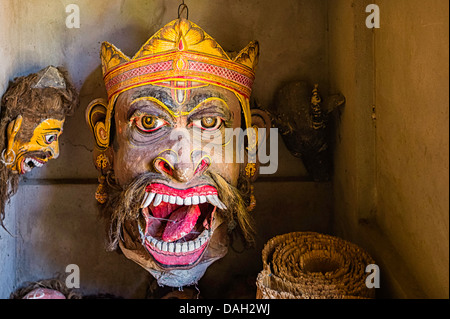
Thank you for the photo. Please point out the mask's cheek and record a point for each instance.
(131, 161)
(229, 171)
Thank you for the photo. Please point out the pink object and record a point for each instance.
(44, 293)
(181, 222)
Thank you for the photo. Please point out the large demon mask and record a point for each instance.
(33, 111)
(166, 188)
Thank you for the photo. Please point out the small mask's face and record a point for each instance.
(165, 131)
(42, 147)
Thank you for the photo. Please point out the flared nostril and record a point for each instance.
(163, 166)
(203, 165)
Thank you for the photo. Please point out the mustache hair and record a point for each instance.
(124, 203)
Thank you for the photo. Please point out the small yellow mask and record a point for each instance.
(43, 146)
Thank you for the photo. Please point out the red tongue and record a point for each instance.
(181, 222)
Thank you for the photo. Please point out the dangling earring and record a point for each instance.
(101, 195)
(3, 160)
(252, 204)
(250, 170)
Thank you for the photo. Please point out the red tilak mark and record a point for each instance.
(181, 45)
(183, 193)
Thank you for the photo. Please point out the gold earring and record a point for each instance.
(252, 204)
(250, 169)
(101, 195)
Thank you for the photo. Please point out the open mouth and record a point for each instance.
(31, 162)
(177, 224)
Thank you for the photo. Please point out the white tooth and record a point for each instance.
(165, 198)
(184, 247)
(188, 201)
(159, 245)
(212, 200)
(221, 205)
(202, 199)
(158, 200)
(195, 200)
(144, 200)
(171, 247)
(202, 240)
(197, 244)
(164, 246)
(141, 231)
(147, 199)
(177, 248)
(203, 234)
(191, 246)
(179, 201)
(172, 199)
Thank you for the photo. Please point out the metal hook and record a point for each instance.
(181, 8)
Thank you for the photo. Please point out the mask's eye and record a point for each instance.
(209, 123)
(148, 123)
(50, 138)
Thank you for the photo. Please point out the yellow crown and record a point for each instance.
(180, 51)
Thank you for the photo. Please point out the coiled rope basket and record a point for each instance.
(307, 265)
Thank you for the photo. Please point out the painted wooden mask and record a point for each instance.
(168, 194)
(33, 112)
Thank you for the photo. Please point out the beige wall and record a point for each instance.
(412, 81)
(394, 199)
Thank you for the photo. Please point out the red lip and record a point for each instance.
(175, 259)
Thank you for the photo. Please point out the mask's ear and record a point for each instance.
(12, 130)
(95, 118)
(261, 125)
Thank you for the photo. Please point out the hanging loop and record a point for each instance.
(5, 161)
(181, 8)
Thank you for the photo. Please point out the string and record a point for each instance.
(181, 8)
(165, 219)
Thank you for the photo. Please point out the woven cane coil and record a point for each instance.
(307, 265)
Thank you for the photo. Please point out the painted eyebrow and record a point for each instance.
(52, 129)
(216, 108)
(155, 93)
(199, 98)
(162, 109)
